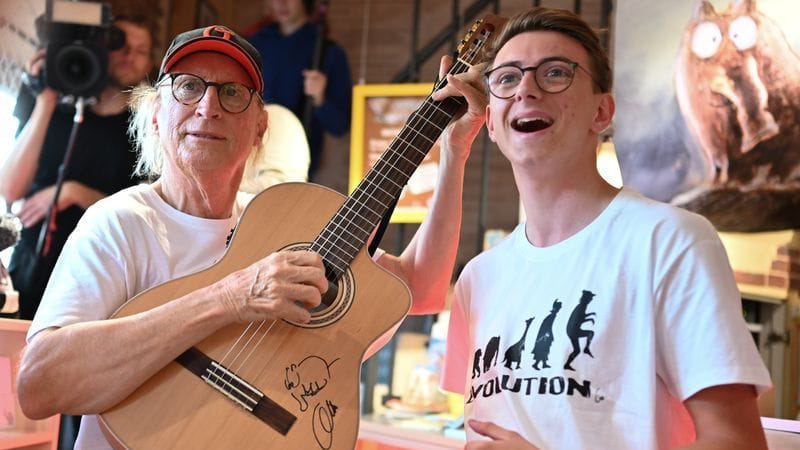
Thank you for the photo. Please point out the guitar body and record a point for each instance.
(311, 372)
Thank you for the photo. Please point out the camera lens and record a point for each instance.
(77, 68)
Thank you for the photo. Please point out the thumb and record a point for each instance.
(488, 429)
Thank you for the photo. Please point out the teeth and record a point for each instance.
(530, 120)
(531, 124)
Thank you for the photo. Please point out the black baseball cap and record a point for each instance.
(219, 39)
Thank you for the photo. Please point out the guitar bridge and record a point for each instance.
(233, 387)
(237, 390)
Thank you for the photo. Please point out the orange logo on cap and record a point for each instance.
(226, 34)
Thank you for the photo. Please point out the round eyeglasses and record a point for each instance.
(189, 89)
(552, 76)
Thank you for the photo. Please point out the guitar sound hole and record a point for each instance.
(336, 301)
(328, 298)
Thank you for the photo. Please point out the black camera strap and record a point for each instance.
(49, 224)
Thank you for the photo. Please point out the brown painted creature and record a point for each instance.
(737, 83)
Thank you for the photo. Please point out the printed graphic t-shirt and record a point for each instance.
(596, 341)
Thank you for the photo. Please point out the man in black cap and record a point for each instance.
(198, 129)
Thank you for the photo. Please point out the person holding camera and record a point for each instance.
(102, 160)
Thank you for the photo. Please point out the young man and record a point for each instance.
(289, 42)
(635, 337)
(102, 161)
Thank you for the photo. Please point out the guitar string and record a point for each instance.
(360, 201)
(419, 118)
(343, 219)
(421, 115)
(244, 345)
(214, 369)
(257, 344)
(367, 192)
(225, 378)
(362, 204)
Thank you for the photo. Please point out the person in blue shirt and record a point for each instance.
(288, 41)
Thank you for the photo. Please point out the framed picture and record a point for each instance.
(206, 14)
(708, 106)
(379, 113)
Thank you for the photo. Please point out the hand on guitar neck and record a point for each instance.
(461, 132)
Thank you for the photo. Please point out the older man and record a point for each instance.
(197, 129)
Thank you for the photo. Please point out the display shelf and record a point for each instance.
(23, 432)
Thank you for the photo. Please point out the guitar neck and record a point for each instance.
(347, 232)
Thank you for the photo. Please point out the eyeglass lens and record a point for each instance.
(190, 89)
(551, 76)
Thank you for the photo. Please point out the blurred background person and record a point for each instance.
(288, 41)
(284, 156)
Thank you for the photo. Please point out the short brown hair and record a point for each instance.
(559, 21)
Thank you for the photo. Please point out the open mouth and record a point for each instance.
(531, 124)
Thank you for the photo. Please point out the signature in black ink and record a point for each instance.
(323, 423)
(307, 378)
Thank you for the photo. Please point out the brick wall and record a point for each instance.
(783, 272)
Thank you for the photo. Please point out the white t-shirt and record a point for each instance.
(124, 244)
(595, 342)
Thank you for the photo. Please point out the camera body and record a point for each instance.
(78, 37)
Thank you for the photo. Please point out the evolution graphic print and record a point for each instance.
(535, 372)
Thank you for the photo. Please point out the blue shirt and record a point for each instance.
(285, 58)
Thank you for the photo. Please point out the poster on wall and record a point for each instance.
(708, 107)
(379, 113)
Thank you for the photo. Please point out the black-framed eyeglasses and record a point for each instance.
(552, 75)
(189, 89)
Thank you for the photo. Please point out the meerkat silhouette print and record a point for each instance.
(544, 339)
(513, 353)
(578, 317)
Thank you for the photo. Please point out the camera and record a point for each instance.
(78, 37)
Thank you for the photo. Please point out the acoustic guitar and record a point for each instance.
(278, 384)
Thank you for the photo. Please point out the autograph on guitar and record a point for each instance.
(278, 384)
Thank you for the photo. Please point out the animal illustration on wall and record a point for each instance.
(737, 82)
(737, 91)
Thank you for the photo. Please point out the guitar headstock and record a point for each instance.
(474, 45)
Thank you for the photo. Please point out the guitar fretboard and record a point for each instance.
(348, 231)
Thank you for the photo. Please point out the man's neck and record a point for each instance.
(111, 101)
(199, 195)
(559, 208)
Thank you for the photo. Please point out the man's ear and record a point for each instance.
(261, 126)
(489, 124)
(605, 113)
(156, 108)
